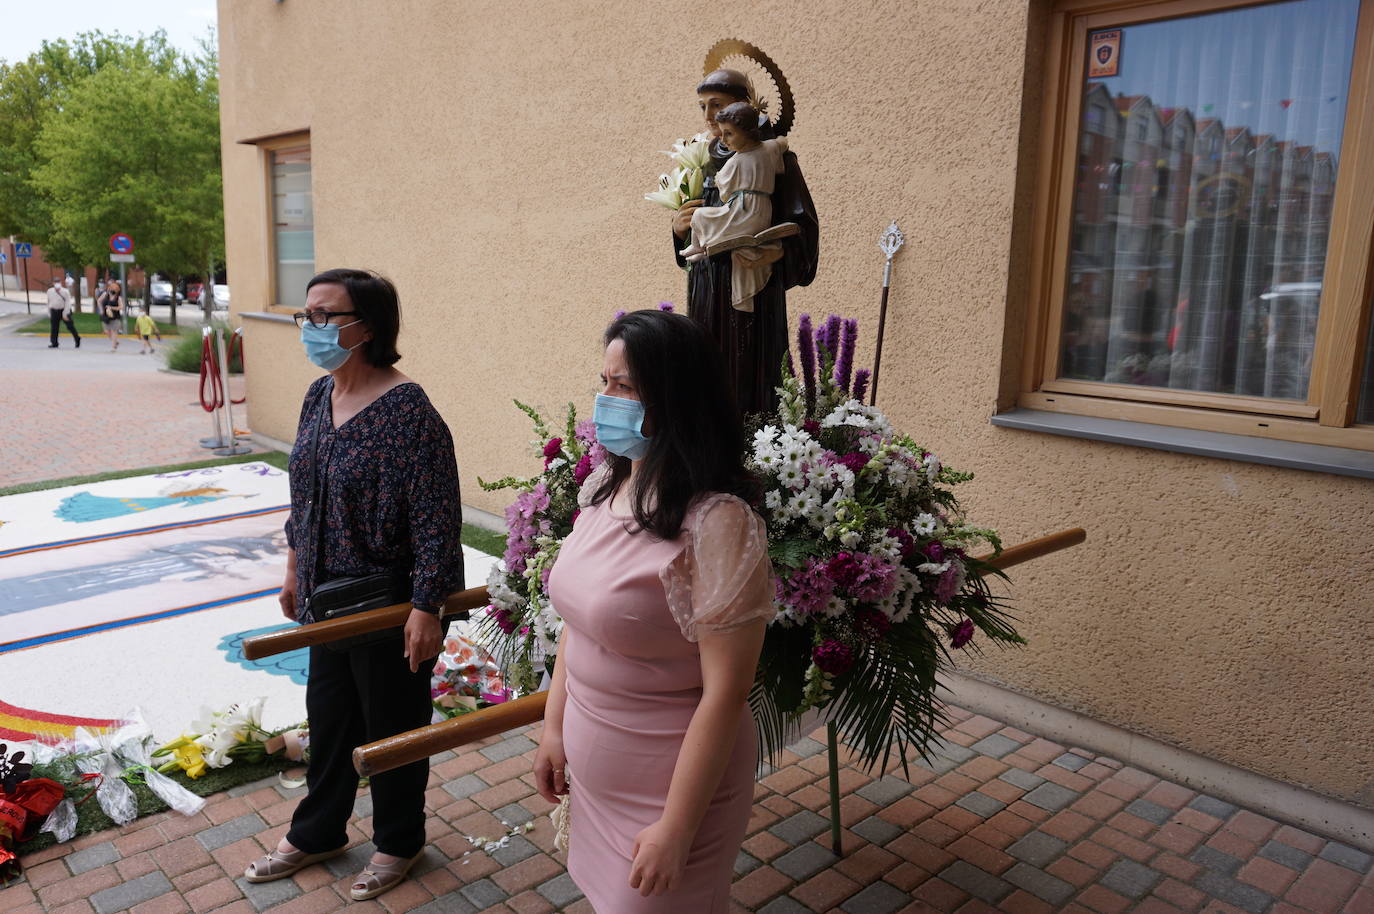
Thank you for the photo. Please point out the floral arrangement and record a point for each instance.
(875, 580)
(217, 738)
(691, 159)
(523, 628)
(466, 677)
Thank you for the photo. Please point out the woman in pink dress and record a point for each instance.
(665, 588)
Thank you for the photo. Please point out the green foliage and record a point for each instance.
(185, 355)
(87, 324)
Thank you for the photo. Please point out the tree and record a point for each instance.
(134, 147)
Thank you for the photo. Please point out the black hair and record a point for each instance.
(726, 82)
(696, 435)
(743, 116)
(379, 307)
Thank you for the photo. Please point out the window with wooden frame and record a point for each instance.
(291, 212)
(1204, 244)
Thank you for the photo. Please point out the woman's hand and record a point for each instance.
(682, 219)
(287, 597)
(424, 637)
(550, 767)
(659, 857)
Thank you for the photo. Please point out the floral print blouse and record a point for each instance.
(389, 491)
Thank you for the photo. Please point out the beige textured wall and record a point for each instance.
(495, 172)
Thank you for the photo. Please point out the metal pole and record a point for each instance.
(216, 439)
(27, 304)
(833, 745)
(233, 448)
(123, 312)
(891, 240)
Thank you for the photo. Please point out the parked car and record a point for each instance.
(193, 292)
(221, 296)
(161, 292)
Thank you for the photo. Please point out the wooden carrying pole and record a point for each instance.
(404, 748)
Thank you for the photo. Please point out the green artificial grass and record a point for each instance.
(91, 818)
(484, 540)
(89, 325)
(275, 458)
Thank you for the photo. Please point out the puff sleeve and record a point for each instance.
(722, 578)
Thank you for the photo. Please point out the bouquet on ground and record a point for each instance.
(217, 738)
(522, 627)
(687, 181)
(466, 678)
(875, 581)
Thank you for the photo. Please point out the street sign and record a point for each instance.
(4, 258)
(121, 243)
(23, 249)
(121, 258)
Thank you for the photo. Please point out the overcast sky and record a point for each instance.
(26, 24)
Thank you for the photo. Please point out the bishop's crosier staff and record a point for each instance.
(891, 240)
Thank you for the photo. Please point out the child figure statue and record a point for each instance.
(744, 220)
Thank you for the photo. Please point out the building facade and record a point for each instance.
(1125, 306)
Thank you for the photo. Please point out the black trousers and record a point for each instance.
(55, 320)
(354, 697)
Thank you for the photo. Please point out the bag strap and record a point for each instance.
(316, 494)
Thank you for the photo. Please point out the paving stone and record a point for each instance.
(806, 747)
(560, 891)
(878, 898)
(805, 861)
(885, 791)
(1150, 811)
(976, 882)
(513, 814)
(1040, 884)
(1051, 797)
(1286, 854)
(1224, 888)
(1130, 878)
(244, 790)
(995, 745)
(981, 804)
(1037, 849)
(800, 827)
(362, 807)
(1336, 852)
(877, 831)
(1023, 779)
(263, 895)
(483, 893)
(508, 748)
(745, 863)
(517, 848)
(1213, 807)
(1215, 860)
(785, 905)
(448, 903)
(245, 826)
(91, 857)
(465, 786)
(349, 862)
(1070, 761)
(135, 891)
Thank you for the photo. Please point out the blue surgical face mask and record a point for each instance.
(618, 426)
(322, 345)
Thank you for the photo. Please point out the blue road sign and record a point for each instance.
(23, 249)
(4, 258)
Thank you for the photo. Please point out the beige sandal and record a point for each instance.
(278, 865)
(381, 877)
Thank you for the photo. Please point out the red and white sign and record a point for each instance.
(121, 243)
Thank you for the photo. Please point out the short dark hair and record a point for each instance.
(696, 435)
(727, 82)
(742, 115)
(379, 307)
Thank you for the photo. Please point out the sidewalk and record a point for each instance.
(1003, 821)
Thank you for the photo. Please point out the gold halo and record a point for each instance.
(774, 97)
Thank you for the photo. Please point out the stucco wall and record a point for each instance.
(495, 172)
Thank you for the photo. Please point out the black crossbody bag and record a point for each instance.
(347, 595)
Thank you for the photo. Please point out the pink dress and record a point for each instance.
(633, 606)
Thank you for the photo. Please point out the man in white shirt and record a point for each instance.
(59, 312)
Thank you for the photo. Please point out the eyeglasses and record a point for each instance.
(319, 319)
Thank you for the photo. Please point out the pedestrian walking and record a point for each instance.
(146, 328)
(59, 311)
(110, 306)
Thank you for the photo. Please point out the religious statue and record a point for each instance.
(747, 315)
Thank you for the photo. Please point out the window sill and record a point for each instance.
(1316, 458)
(269, 316)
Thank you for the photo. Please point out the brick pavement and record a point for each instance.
(71, 412)
(1000, 821)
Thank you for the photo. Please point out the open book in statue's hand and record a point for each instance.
(770, 234)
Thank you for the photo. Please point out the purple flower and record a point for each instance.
(806, 350)
(935, 551)
(950, 581)
(865, 576)
(586, 431)
(805, 591)
(833, 657)
(583, 469)
(666, 306)
(861, 384)
(961, 634)
(553, 448)
(901, 536)
(844, 361)
(856, 461)
(812, 428)
(619, 314)
(504, 620)
(575, 515)
(872, 624)
(831, 338)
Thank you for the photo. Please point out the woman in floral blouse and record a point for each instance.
(384, 499)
